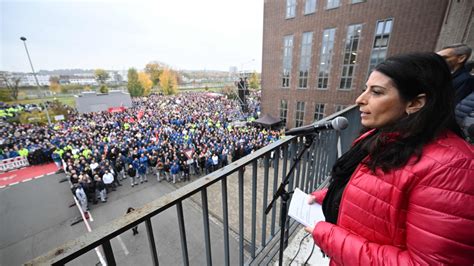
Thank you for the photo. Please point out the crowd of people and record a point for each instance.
(168, 137)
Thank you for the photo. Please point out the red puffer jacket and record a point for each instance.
(422, 213)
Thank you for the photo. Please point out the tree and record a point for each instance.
(12, 84)
(168, 82)
(253, 82)
(101, 76)
(146, 83)
(54, 85)
(134, 87)
(104, 89)
(230, 92)
(155, 69)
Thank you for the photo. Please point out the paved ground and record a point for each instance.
(36, 218)
(26, 174)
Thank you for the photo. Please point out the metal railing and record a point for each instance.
(240, 193)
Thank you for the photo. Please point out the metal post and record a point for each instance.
(109, 253)
(254, 209)
(151, 242)
(182, 232)
(36, 79)
(205, 217)
(241, 216)
(225, 219)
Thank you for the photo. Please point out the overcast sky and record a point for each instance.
(119, 34)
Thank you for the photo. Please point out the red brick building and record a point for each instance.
(317, 53)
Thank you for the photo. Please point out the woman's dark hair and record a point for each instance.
(414, 74)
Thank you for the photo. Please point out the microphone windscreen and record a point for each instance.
(339, 123)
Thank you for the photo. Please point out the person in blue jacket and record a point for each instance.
(142, 173)
(174, 171)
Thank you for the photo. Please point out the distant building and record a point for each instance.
(233, 71)
(94, 102)
(28, 80)
(5, 74)
(317, 54)
(82, 80)
(123, 75)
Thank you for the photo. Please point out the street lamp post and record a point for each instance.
(36, 79)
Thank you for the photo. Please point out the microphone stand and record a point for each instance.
(285, 195)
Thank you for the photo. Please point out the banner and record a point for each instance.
(140, 115)
(116, 109)
(189, 153)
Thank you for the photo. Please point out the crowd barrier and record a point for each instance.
(13, 163)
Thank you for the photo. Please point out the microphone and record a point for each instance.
(338, 123)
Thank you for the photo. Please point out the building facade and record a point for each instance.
(317, 54)
(28, 80)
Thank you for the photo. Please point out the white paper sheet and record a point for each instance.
(304, 213)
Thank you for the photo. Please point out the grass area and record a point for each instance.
(66, 100)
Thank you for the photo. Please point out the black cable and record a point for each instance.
(299, 247)
(310, 255)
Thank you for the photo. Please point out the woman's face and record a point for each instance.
(380, 103)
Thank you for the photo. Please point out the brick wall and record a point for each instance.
(416, 27)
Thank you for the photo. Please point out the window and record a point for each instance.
(340, 107)
(333, 4)
(350, 55)
(357, 1)
(299, 115)
(283, 111)
(287, 60)
(319, 111)
(290, 8)
(309, 7)
(326, 56)
(305, 59)
(380, 46)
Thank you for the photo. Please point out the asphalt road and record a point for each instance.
(36, 217)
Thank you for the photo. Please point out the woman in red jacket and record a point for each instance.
(404, 193)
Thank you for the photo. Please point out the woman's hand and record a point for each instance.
(309, 229)
(311, 199)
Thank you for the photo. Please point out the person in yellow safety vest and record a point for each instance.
(57, 157)
(86, 153)
(60, 152)
(23, 152)
(126, 126)
(9, 112)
